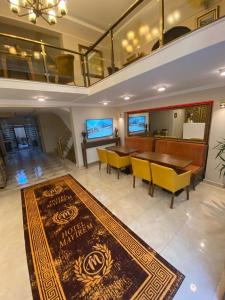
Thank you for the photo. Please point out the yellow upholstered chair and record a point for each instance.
(118, 162)
(168, 179)
(102, 158)
(141, 169)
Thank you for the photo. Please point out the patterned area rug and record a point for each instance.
(76, 249)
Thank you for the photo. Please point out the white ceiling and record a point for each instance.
(95, 14)
(99, 13)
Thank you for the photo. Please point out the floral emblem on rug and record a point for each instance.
(66, 215)
(92, 268)
(53, 191)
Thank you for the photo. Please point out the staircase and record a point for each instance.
(65, 147)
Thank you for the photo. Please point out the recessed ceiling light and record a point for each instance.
(161, 89)
(222, 105)
(222, 72)
(41, 99)
(105, 102)
(202, 244)
(126, 98)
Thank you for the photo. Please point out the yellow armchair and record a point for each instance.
(118, 162)
(102, 158)
(168, 179)
(141, 169)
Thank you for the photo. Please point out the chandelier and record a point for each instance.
(49, 10)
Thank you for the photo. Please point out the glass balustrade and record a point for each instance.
(146, 26)
(29, 60)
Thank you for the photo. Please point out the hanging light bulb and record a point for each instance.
(32, 17)
(51, 17)
(23, 53)
(62, 8)
(14, 6)
(135, 42)
(129, 48)
(37, 55)
(50, 3)
(39, 8)
(143, 30)
(12, 50)
(124, 43)
(148, 37)
(130, 35)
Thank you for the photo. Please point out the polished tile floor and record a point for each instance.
(191, 236)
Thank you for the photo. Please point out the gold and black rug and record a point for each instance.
(76, 249)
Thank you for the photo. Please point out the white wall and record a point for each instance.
(78, 118)
(51, 128)
(177, 127)
(217, 131)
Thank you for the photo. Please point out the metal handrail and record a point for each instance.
(61, 145)
(37, 42)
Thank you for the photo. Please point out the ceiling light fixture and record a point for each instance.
(124, 43)
(130, 35)
(41, 99)
(161, 89)
(126, 98)
(222, 105)
(49, 10)
(129, 48)
(105, 102)
(222, 72)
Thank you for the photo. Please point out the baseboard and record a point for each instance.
(217, 184)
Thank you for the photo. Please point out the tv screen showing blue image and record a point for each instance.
(98, 128)
(136, 124)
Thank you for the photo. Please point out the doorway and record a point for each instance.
(21, 137)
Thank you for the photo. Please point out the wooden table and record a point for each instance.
(122, 150)
(164, 159)
(97, 143)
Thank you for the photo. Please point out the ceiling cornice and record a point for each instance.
(88, 25)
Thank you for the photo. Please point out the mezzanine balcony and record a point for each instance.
(141, 31)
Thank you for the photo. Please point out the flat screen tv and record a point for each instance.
(136, 124)
(99, 128)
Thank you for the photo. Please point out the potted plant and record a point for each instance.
(221, 155)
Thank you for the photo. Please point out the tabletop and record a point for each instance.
(164, 159)
(122, 150)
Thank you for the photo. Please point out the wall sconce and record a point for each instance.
(222, 105)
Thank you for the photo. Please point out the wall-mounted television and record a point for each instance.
(136, 124)
(99, 128)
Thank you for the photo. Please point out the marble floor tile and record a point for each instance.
(191, 236)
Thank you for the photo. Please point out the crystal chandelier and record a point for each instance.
(49, 10)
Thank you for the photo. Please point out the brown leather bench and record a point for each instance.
(189, 150)
(143, 144)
